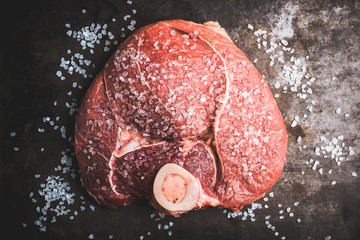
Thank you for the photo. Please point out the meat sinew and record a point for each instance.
(181, 117)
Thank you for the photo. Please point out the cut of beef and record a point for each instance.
(172, 94)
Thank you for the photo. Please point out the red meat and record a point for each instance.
(172, 91)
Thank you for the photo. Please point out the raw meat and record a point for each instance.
(178, 104)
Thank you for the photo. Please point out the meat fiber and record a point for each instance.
(179, 96)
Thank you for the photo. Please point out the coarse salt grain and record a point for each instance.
(284, 42)
(277, 85)
(63, 131)
(315, 165)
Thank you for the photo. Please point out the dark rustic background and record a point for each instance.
(33, 41)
